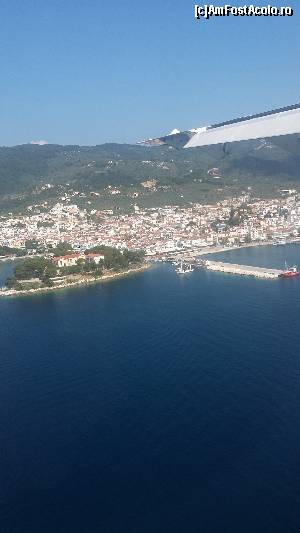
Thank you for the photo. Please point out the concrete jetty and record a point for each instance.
(243, 270)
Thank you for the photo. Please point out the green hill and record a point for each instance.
(31, 174)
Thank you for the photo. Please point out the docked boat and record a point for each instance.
(184, 269)
(279, 242)
(289, 272)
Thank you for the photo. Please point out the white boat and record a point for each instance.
(189, 268)
(184, 270)
(279, 242)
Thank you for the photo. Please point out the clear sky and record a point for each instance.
(94, 71)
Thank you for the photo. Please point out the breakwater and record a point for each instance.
(243, 270)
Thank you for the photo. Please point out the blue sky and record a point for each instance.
(94, 71)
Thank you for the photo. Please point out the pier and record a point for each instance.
(243, 270)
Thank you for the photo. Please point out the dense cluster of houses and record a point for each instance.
(156, 230)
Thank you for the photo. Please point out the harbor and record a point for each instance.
(187, 261)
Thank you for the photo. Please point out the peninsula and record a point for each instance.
(69, 269)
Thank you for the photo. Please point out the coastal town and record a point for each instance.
(66, 245)
(158, 231)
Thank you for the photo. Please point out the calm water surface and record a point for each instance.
(154, 404)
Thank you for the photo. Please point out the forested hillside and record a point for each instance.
(119, 175)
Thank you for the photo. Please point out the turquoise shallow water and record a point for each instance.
(155, 403)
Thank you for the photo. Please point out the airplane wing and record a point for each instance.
(277, 123)
(176, 140)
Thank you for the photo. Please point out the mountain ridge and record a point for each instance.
(26, 169)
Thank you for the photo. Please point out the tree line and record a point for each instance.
(42, 269)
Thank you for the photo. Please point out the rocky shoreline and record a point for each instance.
(84, 280)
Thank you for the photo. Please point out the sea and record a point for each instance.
(155, 403)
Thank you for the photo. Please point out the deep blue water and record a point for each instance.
(153, 404)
